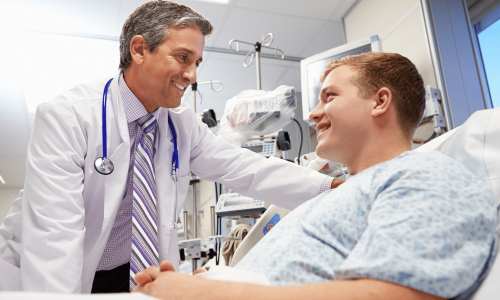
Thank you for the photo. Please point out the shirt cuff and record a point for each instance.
(326, 185)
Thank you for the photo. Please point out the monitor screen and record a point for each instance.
(311, 69)
(257, 149)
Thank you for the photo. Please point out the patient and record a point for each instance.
(405, 225)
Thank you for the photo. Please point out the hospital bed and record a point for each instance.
(476, 144)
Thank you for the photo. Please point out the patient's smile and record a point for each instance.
(323, 128)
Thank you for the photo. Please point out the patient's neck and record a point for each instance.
(376, 150)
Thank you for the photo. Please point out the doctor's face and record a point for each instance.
(341, 117)
(171, 68)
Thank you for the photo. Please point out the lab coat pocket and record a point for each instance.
(10, 277)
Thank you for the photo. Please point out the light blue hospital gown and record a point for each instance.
(420, 220)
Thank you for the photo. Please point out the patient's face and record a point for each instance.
(342, 117)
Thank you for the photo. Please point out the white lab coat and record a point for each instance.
(67, 210)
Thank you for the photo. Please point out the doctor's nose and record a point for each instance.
(190, 73)
(317, 114)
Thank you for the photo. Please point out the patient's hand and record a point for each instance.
(151, 273)
(160, 283)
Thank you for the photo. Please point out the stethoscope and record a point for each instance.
(104, 166)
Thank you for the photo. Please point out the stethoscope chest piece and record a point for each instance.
(177, 226)
(104, 166)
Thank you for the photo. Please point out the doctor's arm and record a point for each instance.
(53, 210)
(166, 284)
(273, 179)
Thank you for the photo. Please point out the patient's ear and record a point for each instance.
(383, 100)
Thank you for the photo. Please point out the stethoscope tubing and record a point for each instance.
(102, 164)
(104, 101)
(175, 155)
(175, 172)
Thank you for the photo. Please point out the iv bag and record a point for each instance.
(256, 112)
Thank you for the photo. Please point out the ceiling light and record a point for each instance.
(1, 180)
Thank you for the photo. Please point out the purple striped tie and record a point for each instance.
(144, 230)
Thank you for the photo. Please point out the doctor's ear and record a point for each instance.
(383, 100)
(137, 48)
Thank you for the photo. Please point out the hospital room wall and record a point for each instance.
(7, 196)
(400, 26)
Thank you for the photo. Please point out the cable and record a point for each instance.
(301, 140)
(340, 169)
(217, 242)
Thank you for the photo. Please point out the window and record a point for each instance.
(47, 64)
(488, 42)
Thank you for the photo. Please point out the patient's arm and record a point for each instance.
(172, 285)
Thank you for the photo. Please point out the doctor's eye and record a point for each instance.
(183, 57)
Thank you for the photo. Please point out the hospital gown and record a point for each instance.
(420, 220)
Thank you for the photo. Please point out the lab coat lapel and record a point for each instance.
(164, 183)
(115, 183)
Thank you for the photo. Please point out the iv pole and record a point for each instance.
(194, 88)
(257, 48)
(195, 247)
(195, 180)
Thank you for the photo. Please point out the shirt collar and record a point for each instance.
(132, 105)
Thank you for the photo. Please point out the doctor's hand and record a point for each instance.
(150, 274)
(336, 183)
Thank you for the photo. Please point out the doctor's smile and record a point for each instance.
(180, 87)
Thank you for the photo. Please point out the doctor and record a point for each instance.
(72, 229)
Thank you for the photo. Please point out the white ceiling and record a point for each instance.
(301, 29)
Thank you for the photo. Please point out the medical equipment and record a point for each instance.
(104, 166)
(175, 174)
(267, 147)
(257, 113)
(433, 123)
(235, 206)
(195, 249)
(194, 88)
(324, 166)
(239, 231)
(208, 116)
(266, 222)
(257, 47)
(312, 67)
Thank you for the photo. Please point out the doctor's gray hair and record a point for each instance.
(152, 21)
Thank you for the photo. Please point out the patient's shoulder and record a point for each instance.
(434, 165)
